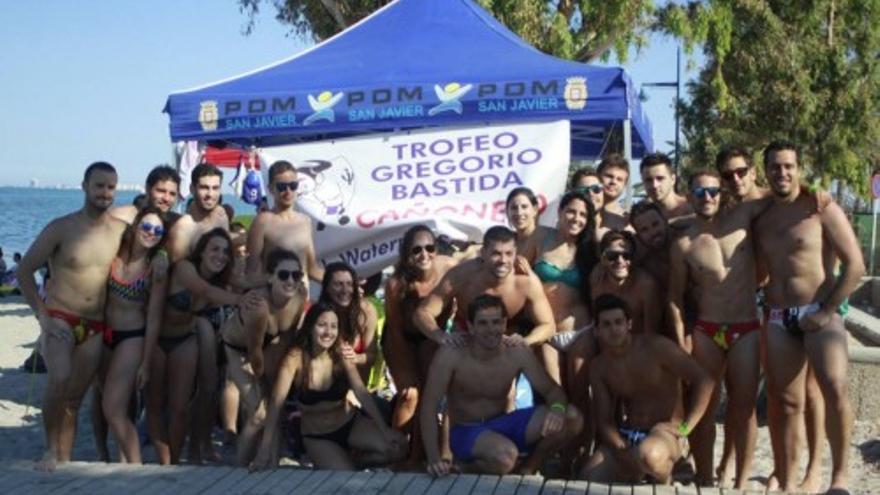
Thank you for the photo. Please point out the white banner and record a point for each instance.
(363, 193)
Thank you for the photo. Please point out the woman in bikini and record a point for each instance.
(133, 311)
(357, 317)
(315, 372)
(407, 351)
(522, 214)
(194, 283)
(255, 339)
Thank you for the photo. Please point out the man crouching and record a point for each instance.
(640, 376)
(476, 379)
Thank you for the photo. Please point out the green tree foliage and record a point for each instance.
(805, 70)
(583, 30)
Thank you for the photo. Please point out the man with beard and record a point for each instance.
(205, 213)
(281, 228)
(714, 261)
(163, 184)
(659, 181)
(484, 435)
(491, 273)
(652, 240)
(79, 248)
(800, 247)
(588, 181)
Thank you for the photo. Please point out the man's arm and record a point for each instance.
(316, 271)
(425, 316)
(603, 408)
(686, 368)
(677, 286)
(538, 377)
(540, 312)
(254, 273)
(286, 373)
(37, 255)
(437, 384)
(178, 239)
(191, 279)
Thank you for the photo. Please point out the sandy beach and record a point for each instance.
(21, 436)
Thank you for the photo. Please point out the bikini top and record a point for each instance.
(130, 290)
(336, 392)
(181, 301)
(548, 272)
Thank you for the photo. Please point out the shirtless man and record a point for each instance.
(205, 213)
(652, 239)
(163, 184)
(659, 181)
(589, 181)
(491, 273)
(613, 171)
(640, 374)
(79, 248)
(799, 244)
(492, 446)
(281, 228)
(714, 258)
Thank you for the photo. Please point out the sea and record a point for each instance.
(24, 211)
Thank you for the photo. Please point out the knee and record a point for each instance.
(574, 422)
(502, 459)
(655, 458)
(836, 392)
(409, 397)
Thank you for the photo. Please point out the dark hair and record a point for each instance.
(524, 191)
(730, 152)
(204, 170)
(498, 233)
(580, 174)
(237, 227)
(613, 160)
(781, 145)
(585, 256)
(221, 279)
(645, 206)
(278, 256)
(403, 269)
(305, 341)
(278, 168)
(162, 173)
(703, 172)
(485, 301)
(618, 235)
(653, 159)
(138, 199)
(352, 316)
(127, 244)
(98, 167)
(607, 302)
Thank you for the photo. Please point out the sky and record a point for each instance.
(87, 80)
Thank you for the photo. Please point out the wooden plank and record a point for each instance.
(283, 480)
(165, 478)
(21, 475)
(641, 489)
(134, 479)
(618, 489)
(577, 487)
(708, 490)
(664, 490)
(84, 476)
(203, 478)
(528, 485)
(223, 485)
(315, 479)
(598, 489)
(376, 484)
(485, 485)
(687, 490)
(250, 481)
(418, 485)
(553, 487)
(333, 482)
(398, 483)
(354, 483)
(441, 485)
(463, 485)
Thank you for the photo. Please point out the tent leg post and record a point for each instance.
(627, 153)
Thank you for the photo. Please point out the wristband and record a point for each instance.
(162, 252)
(683, 429)
(558, 407)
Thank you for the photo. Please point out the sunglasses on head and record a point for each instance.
(286, 186)
(615, 255)
(700, 192)
(156, 230)
(737, 172)
(283, 275)
(428, 248)
(595, 188)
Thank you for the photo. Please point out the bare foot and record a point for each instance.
(725, 476)
(47, 464)
(773, 483)
(812, 483)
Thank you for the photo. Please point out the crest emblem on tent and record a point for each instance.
(449, 97)
(323, 107)
(575, 93)
(208, 115)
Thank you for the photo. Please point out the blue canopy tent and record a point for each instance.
(415, 63)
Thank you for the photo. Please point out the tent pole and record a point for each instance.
(627, 153)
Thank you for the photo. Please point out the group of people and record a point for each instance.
(624, 324)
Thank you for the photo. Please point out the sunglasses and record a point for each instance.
(615, 255)
(428, 248)
(595, 189)
(738, 172)
(286, 186)
(700, 192)
(156, 230)
(283, 275)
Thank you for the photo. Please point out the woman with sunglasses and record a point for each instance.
(315, 372)
(587, 181)
(407, 351)
(522, 215)
(195, 283)
(257, 336)
(357, 317)
(133, 312)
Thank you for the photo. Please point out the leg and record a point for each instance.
(827, 352)
(741, 425)
(118, 390)
(578, 358)
(206, 397)
(786, 373)
(378, 450)
(252, 402)
(726, 466)
(549, 444)
(815, 422)
(181, 370)
(401, 357)
(326, 454)
(58, 355)
(229, 404)
(606, 466)
(702, 439)
(86, 359)
(99, 422)
(155, 398)
(658, 454)
(550, 357)
(493, 453)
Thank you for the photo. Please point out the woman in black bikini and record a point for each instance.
(320, 379)
(194, 282)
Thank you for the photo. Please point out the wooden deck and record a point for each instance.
(119, 479)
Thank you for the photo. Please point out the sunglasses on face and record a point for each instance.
(615, 255)
(283, 275)
(737, 172)
(595, 189)
(286, 186)
(700, 192)
(156, 230)
(428, 248)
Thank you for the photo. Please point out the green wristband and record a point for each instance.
(558, 407)
(683, 429)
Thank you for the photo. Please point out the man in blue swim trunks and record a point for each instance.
(476, 380)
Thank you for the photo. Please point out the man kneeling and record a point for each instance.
(642, 374)
(476, 379)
